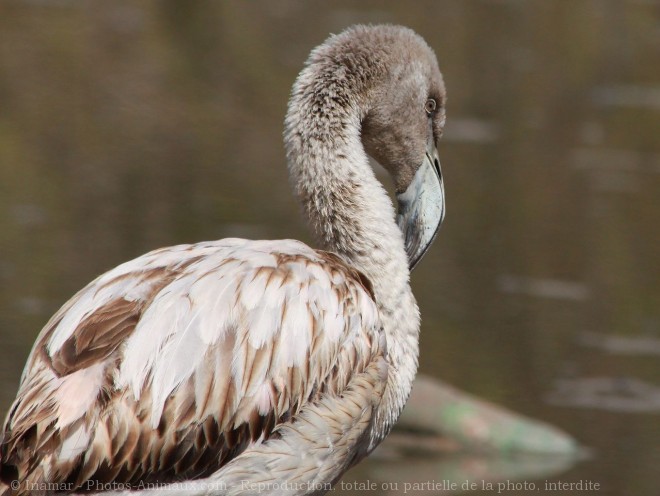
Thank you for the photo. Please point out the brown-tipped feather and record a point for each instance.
(206, 420)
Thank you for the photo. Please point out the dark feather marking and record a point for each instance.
(97, 336)
(124, 452)
(102, 332)
(211, 431)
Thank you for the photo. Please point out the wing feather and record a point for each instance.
(178, 361)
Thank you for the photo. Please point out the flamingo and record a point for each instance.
(255, 367)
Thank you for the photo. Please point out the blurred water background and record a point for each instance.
(126, 126)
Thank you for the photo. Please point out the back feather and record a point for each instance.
(172, 364)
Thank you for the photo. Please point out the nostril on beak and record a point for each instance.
(436, 162)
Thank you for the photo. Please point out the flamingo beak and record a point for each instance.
(422, 207)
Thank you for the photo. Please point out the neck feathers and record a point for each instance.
(350, 212)
(347, 208)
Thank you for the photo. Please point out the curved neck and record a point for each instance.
(351, 214)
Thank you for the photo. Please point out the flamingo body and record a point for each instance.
(255, 367)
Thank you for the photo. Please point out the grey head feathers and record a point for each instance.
(379, 79)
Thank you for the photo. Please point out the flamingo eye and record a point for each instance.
(430, 106)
